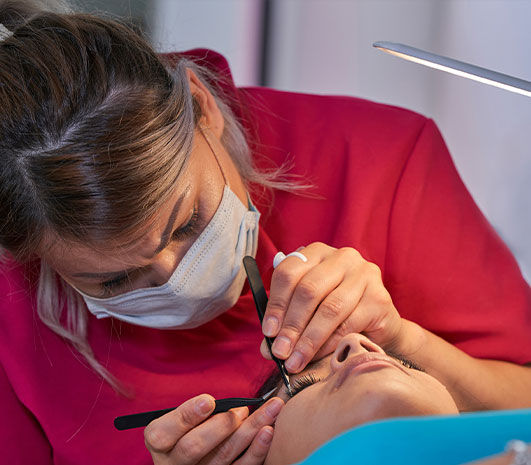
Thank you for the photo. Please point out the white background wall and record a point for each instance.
(324, 46)
(231, 27)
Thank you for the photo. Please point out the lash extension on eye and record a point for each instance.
(303, 382)
(408, 363)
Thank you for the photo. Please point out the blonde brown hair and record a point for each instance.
(94, 130)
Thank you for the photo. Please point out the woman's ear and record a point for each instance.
(211, 116)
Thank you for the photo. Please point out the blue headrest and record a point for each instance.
(434, 440)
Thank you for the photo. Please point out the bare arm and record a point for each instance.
(475, 384)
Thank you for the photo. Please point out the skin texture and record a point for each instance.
(201, 187)
(311, 307)
(359, 383)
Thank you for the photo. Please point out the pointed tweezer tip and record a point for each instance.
(290, 392)
(267, 395)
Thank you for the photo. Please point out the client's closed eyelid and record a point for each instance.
(303, 382)
(406, 362)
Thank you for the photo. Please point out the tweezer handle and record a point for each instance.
(137, 420)
(260, 300)
(257, 287)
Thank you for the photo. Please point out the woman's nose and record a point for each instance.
(163, 266)
(350, 346)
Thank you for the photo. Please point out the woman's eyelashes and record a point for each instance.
(112, 285)
(190, 229)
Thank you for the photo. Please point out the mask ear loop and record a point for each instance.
(204, 131)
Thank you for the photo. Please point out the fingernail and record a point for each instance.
(270, 326)
(281, 346)
(266, 436)
(294, 363)
(274, 407)
(205, 405)
(241, 412)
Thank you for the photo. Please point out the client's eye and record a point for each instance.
(408, 363)
(303, 382)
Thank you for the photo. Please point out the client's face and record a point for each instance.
(358, 383)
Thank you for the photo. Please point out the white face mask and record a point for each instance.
(208, 280)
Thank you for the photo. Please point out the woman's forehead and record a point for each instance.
(72, 254)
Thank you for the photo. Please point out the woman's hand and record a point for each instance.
(313, 304)
(187, 436)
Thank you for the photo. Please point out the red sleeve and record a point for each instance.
(22, 440)
(446, 267)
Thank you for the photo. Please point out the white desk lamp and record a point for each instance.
(459, 68)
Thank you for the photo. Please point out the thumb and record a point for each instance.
(264, 350)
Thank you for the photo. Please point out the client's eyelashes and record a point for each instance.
(408, 363)
(303, 382)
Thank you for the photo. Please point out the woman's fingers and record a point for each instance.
(329, 317)
(297, 288)
(258, 449)
(162, 434)
(264, 350)
(245, 436)
(194, 446)
(382, 329)
(283, 282)
(312, 302)
(183, 437)
(327, 287)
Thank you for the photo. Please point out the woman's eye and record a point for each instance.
(190, 229)
(111, 286)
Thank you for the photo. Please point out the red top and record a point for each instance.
(386, 185)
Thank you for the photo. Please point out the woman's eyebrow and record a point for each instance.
(166, 234)
(164, 239)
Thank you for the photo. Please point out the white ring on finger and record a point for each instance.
(280, 257)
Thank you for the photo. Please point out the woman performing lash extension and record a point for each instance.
(132, 184)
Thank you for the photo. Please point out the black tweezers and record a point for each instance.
(260, 300)
(137, 420)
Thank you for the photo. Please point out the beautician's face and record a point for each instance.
(359, 383)
(151, 260)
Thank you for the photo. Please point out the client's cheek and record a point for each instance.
(288, 443)
(385, 398)
(439, 399)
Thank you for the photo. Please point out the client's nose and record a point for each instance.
(350, 346)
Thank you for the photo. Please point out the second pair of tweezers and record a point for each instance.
(136, 420)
